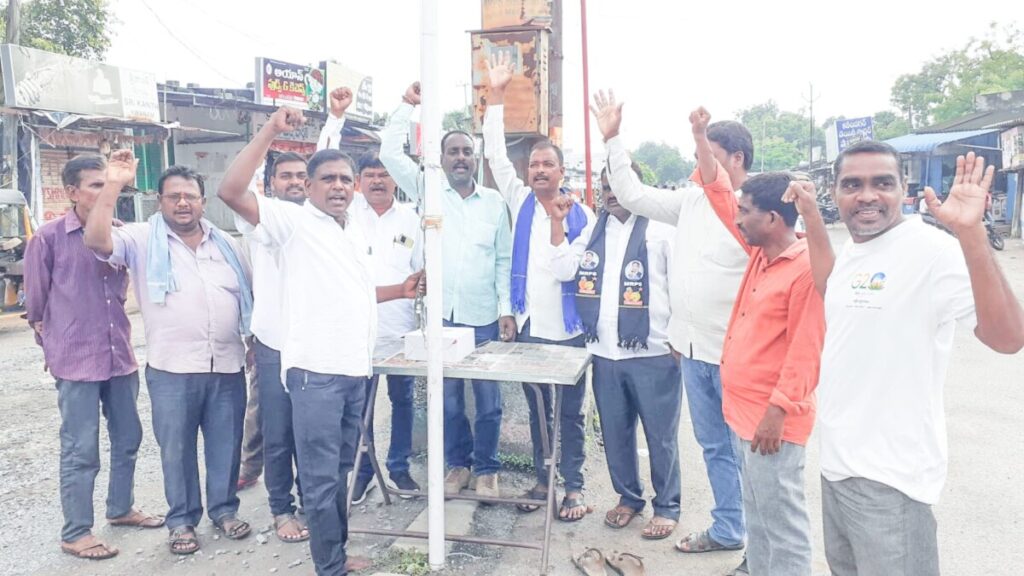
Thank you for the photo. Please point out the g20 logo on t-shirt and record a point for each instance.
(868, 281)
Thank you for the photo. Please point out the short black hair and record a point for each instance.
(635, 166)
(370, 159)
(450, 133)
(733, 137)
(328, 155)
(284, 158)
(548, 145)
(71, 175)
(181, 172)
(765, 191)
(868, 147)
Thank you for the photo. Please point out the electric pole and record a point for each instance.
(10, 121)
(810, 135)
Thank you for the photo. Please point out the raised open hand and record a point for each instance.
(340, 99)
(499, 70)
(965, 206)
(608, 113)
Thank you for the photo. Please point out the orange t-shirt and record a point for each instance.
(772, 349)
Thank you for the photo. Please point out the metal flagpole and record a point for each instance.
(430, 122)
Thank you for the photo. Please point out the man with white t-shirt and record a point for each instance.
(880, 410)
(329, 306)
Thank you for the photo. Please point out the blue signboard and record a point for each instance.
(853, 130)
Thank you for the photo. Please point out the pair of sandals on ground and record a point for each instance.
(593, 562)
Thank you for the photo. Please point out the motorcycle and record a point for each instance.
(995, 239)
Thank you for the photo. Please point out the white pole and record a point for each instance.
(430, 121)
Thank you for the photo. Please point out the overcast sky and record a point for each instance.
(663, 58)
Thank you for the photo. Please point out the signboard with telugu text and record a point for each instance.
(280, 83)
(339, 75)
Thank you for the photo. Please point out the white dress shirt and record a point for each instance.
(543, 290)
(708, 263)
(396, 244)
(329, 299)
(566, 261)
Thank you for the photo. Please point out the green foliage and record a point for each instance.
(74, 27)
(888, 124)
(946, 85)
(516, 462)
(663, 162)
(780, 137)
(458, 119)
(649, 176)
(408, 562)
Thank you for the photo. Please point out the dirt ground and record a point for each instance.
(981, 515)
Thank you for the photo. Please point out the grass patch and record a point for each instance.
(407, 562)
(516, 462)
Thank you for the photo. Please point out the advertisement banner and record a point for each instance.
(279, 83)
(339, 75)
(36, 79)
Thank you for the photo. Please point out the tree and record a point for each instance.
(665, 161)
(74, 27)
(780, 137)
(888, 124)
(458, 119)
(946, 85)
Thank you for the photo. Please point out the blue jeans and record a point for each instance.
(326, 411)
(704, 395)
(80, 406)
(475, 448)
(648, 389)
(184, 404)
(400, 392)
(572, 432)
(276, 426)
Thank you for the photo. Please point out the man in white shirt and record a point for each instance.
(477, 258)
(270, 406)
(395, 237)
(707, 267)
(330, 311)
(544, 306)
(621, 274)
(881, 418)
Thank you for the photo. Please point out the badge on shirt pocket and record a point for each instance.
(404, 241)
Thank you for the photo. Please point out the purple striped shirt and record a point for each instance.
(80, 302)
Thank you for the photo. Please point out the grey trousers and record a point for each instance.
(80, 406)
(778, 527)
(875, 530)
(252, 437)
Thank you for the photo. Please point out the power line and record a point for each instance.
(183, 44)
(229, 26)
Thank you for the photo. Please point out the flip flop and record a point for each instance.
(138, 519)
(657, 530)
(535, 493)
(106, 550)
(620, 516)
(239, 528)
(570, 503)
(591, 562)
(698, 542)
(626, 564)
(183, 541)
(283, 520)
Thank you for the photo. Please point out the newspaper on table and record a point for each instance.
(503, 362)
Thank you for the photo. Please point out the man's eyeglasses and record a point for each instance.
(177, 197)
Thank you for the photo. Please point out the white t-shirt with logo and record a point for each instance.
(891, 310)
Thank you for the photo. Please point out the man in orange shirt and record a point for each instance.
(770, 361)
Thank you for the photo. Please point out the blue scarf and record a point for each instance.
(577, 220)
(160, 275)
(632, 294)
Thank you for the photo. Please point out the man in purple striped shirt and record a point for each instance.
(76, 307)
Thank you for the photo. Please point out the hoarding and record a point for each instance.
(281, 83)
(339, 75)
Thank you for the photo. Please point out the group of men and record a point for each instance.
(707, 289)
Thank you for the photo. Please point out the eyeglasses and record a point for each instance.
(177, 197)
